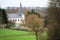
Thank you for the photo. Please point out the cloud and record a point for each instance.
(40, 3)
(26, 3)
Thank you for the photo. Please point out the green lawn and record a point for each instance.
(7, 34)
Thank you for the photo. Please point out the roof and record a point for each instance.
(14, 16)
(19, 15)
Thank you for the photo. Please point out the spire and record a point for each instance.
(20, 9)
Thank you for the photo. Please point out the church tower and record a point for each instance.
(20, 10)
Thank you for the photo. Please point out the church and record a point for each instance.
(17, 18)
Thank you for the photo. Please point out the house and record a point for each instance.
(17, 18)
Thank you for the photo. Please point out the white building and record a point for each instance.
(17, 18)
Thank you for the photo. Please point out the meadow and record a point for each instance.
(8, 34)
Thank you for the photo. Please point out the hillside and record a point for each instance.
(25, 9)
(8, 34)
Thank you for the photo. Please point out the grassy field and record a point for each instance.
(7, 34)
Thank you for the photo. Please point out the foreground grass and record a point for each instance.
(7, 34)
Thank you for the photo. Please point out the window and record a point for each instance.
(18, 19)
(13, 19)
(20, 14)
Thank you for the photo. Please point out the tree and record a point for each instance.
(54, 20)
(34, 24)
(45, 21)
(5, 19)
(33, 12)
(0, 15)
(10, 24)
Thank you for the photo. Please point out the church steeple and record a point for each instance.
(20, 9)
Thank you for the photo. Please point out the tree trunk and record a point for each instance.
(36, 33)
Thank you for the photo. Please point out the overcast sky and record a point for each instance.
(25, 3)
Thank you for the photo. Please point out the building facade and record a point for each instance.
(17, 18)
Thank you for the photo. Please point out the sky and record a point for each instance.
(25, 3)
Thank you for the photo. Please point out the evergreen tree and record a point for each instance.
(4, 16)
(0, 15)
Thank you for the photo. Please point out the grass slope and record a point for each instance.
(7, 34)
